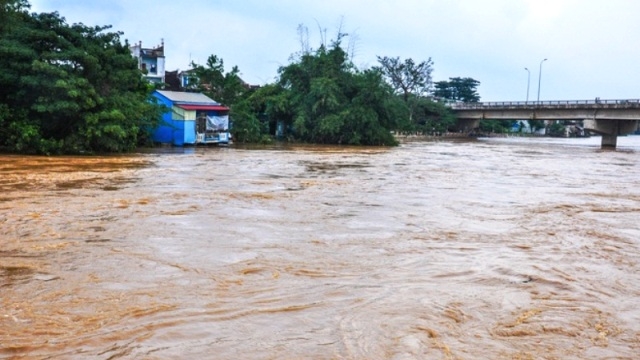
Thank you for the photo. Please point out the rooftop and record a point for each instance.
(187, 97)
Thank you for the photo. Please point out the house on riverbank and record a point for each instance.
(151, 61)
(191, 119)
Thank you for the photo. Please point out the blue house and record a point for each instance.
(192, 118)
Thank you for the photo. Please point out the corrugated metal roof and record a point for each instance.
(203, 107)
(187, 97)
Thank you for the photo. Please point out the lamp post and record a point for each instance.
(540, 78)
(528, 80)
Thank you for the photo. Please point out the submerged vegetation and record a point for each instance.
(77, 89)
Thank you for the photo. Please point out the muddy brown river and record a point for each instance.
(481, 249)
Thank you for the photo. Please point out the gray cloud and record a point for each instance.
(590, 45)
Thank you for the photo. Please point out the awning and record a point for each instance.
(204, 107)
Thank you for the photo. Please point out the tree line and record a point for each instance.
(77, 89)
(322, 97)
(68, 88)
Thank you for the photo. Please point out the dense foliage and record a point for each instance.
(458, 89)
(68, 88)
(320, 97)
(425, 116)
(536, 125)
(406, 77)
(413, 83)
(331, 102)
(496, 126)
(211, 80)
(255, 117)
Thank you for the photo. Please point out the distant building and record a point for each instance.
(192, 118)
(181, 81)
(150, 61)
(171, 80)
(188, 79)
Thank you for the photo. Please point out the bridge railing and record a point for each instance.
(596, 103)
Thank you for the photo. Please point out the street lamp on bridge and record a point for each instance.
(540, 78)
(528, 78)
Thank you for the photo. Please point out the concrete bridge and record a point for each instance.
(609, 118)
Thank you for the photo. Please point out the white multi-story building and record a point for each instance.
(150, 61)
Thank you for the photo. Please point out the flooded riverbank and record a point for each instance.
(518, 248)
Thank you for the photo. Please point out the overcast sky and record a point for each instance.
(591, 45)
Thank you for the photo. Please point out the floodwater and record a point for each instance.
(483, 249)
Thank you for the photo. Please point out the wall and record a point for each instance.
(178, 125)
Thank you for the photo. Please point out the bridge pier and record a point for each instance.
(610, 129)
(609, 141)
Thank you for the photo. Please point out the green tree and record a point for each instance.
(556, 129)
(458, 89)
(412, 83)
(497, 126)
(247, 127)
(211, 79)
(536, 124)
(323, 98)
(257, 115)
(433, 117)
(68, 88)
(406, 77)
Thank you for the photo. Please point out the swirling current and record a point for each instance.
(511, 248)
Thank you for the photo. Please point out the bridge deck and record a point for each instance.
(556, 104)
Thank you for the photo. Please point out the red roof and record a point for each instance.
(204, 107)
